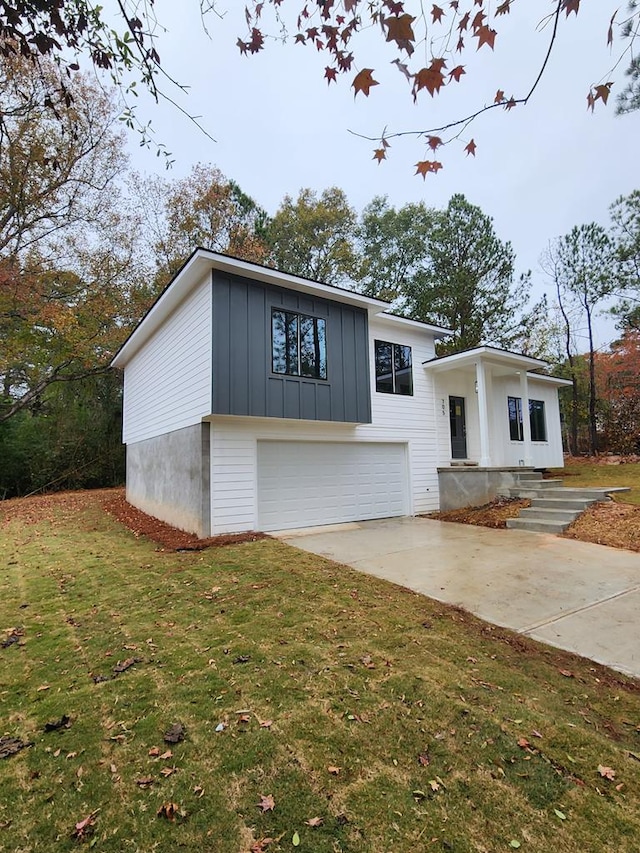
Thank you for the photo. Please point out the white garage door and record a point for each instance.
(303, 483)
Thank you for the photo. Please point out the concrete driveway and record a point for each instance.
(576, 596)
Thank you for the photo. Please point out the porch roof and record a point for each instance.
(498, 360)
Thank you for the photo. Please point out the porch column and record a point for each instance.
(526, 421)
(483, 415)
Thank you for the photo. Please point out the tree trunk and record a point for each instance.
(593, 430)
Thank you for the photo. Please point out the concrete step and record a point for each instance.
(537, 525)
(562, 503)
(568, 515)
(529, 475)
(533, 491)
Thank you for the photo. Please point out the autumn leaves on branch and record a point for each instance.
(445, 34)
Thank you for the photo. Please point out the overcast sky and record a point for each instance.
(539, 170)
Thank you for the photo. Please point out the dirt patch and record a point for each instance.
(493, 514)
(164, 534)
(610, 523)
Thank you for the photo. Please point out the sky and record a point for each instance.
(538, 170)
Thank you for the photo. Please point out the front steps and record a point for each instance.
(553, 507)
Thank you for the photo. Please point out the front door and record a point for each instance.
(458, 428)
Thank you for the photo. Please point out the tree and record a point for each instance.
(469, 284)
(54, 169)
(66, 291)
(625, 216)
(394, 246)
(618, 381)
(587, 273)
(315, 237)
(203, 209)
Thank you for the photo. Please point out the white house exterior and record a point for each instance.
(257, 400)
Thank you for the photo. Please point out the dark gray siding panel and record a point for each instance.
(243, 381)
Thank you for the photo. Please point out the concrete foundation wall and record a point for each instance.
(168, 477)
(460, 487)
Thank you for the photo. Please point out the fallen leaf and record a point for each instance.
(434, 785)
(43, 687)
(113, 768)
(333, 769)
(560, 814)
(154, 751)
(536, 733)
(260, 845)
(567, 673)
(123, 666)
(168, 771)
(295, 840)
(85, 827)
(423, 759)
(11, 745)
(63, 722)
(606, 772)
(168, 811)
(174, 734)
(198, 791)
(166, 755)
(314, 821)
(266, 724)
(523, 743)
(267, 804)
(515, 844)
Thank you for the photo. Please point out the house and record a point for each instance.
(259, 400)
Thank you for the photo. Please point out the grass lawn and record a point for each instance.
(579, 473)
(372, 719)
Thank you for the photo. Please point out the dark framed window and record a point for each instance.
(298, 344)
(514, 405)
(393, 369)
(536, 419)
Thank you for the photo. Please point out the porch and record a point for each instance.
(495, 420)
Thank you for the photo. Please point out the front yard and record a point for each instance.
(312, 707)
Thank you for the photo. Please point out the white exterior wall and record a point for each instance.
(455, 384)
(407, 420)
(167, 384)
(546, 454)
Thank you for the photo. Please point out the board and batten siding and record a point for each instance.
(167, 384)
(405, 420)
(545, 454)
(244, 383)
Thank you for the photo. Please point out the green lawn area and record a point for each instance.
(391, 721)
(579, 474)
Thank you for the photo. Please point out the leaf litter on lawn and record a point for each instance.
(351, 673)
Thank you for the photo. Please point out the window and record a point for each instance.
(536, 416)
(299, 344)
(515, 418)
(393, 369)
(536, 419)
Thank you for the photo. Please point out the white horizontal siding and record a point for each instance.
(409, 421)
(167, 384)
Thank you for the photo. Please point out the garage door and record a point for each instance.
(303, 483)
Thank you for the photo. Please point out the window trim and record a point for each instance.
(299, 315)
(394, 390)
